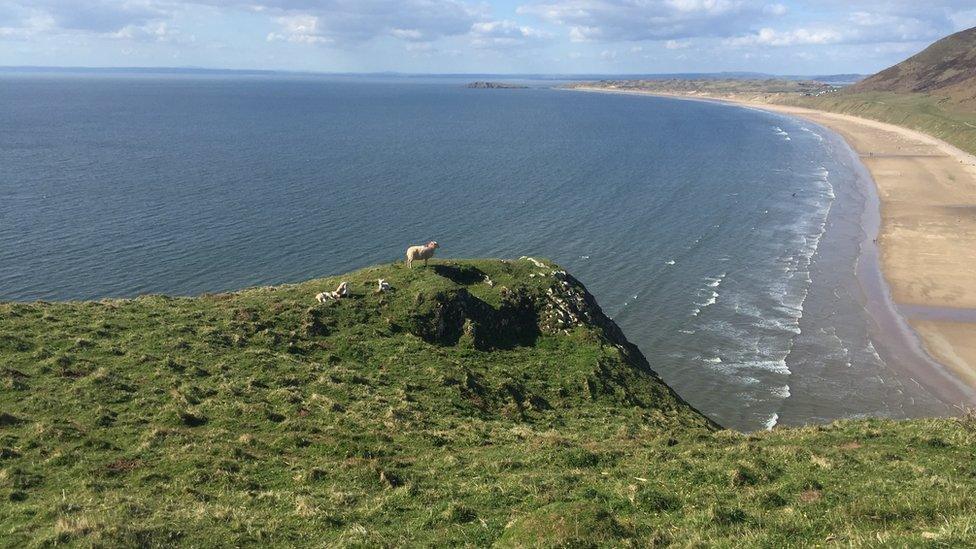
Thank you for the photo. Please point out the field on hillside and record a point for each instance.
(450, 411)
(950, 121)
(953, 123)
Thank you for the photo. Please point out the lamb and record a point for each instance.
(382, 286)
(421, 252)
(339, 293)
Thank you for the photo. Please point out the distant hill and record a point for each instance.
(933, 92)
(947, 68)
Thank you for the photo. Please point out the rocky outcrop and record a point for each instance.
(495, 86)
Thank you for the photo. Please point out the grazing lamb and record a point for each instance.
(382, 286)
(339, 293)
(421, 252)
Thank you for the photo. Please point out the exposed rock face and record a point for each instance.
(567, 305)
(457, 317)
(447, 317)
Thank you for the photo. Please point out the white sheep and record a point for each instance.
(382, 286)
(339, 293)
(424, 252)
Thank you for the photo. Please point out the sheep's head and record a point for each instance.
(433, 244)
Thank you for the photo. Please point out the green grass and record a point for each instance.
(447, 412)
(951, 122)
(942, 117)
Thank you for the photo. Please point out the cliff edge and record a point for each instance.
(475, 402)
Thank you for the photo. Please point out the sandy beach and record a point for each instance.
(927, 240)
(927, 237)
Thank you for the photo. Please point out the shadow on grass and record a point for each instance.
(464, 275)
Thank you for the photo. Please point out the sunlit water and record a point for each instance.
(722, 240)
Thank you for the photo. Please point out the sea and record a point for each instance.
(724, 241)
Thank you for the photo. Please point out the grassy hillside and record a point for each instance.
(945, 70)
(953, 123)
(933, 92)
(449, 411)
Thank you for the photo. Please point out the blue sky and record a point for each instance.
(502, 36)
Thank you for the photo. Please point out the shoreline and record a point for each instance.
(917, 310)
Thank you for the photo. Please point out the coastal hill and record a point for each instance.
(478, 402)
(947, 68)
(933, 92)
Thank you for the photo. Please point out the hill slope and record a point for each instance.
(450, 411)
(947, 68)
(933, 92)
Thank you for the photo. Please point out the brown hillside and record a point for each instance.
(947, 69)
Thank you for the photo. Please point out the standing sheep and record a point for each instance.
(421, 252)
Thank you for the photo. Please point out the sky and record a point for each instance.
(478, 36)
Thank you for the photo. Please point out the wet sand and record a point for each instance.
(926, 239)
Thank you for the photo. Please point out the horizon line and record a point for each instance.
(191, 69)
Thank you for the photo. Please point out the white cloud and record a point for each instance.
(28, 28)
(159, 31)
(347, 22)
(412, 35)
(299, 29)
(616, 20)
(770, 37)
(505, 34)
(582, 34)
(963, 19)
(328, 21)
(100, 16)
(861, 27)
(731, 34)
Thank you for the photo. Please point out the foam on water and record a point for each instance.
(758, 329)
(814, 134)
(713, 282)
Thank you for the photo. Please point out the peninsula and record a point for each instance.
(495, 86)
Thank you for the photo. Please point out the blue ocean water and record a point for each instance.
(700, 228)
